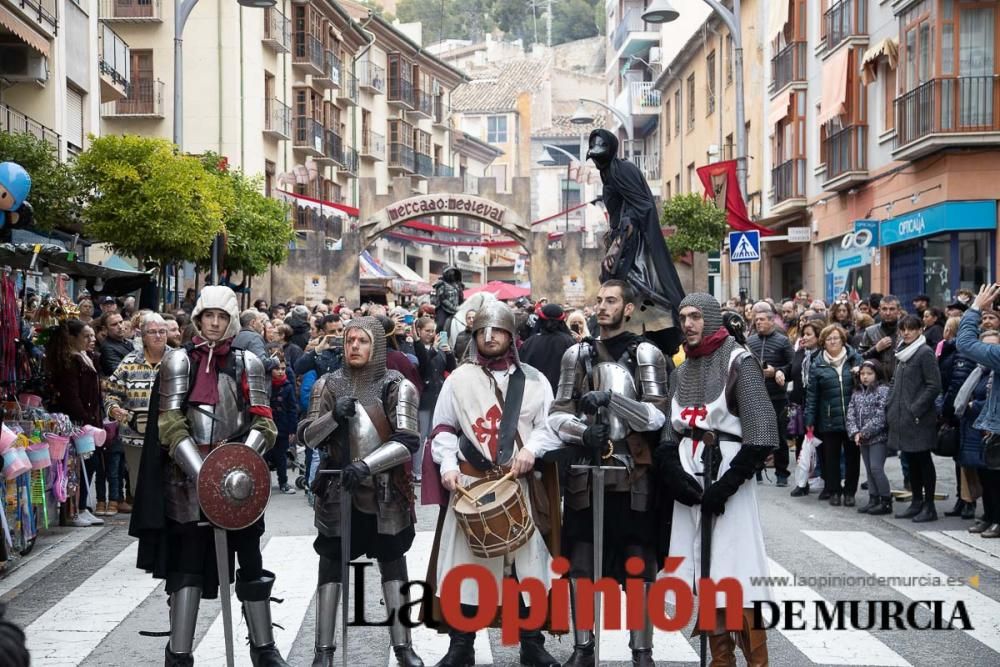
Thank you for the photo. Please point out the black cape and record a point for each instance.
(544, 351)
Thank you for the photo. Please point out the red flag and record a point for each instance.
(722, 187)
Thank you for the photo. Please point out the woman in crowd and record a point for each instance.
(867, 427)
(435, 361)
(934, 321)
(861, 322)
(75, 388)
(577, 323)
(86, 307)
(975, 477)
(797, 382)
(841, 313)
(912, 416)
(827, 397)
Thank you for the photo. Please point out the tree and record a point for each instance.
(147, 201)
(575, 19)
(55, 192)
(448, 19)
(699, 225)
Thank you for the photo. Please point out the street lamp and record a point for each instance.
(182, 10)
(548, 161)
(581, 117)
(660, 11)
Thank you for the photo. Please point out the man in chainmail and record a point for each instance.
(718, 399)
(364, 421)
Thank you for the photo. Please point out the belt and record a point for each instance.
(710, 437)
(470, 470)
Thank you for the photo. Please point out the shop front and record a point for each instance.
(940, 249)
(846, 270)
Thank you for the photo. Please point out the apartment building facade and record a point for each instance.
(884, 112)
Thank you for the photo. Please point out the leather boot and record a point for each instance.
(255, 594)
(927, 513)
(957, 509)
(399, 633)
(752, 642)
(583, 640)
(884, 506)
(916, 504)
(461, 650)
(641, 641)
(533, 653)
(184, 604)
(969, 511)
(327, 601)
(873, 502)
(723, 650)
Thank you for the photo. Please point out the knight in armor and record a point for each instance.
(206, 394)
(490, 418)
(449, 293)
(610, 405)
(363, 418)
(718, 400)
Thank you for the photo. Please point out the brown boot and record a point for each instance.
(124, 508)
(723, 650)
(100, 509)
(112, 508)
(752, 642)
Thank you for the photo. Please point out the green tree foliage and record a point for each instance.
(575, 19)
(55, 192)
(698, 224)
(258, 230)
(147, 201)
(448, 19)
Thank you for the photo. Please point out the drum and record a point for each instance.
(498, 521)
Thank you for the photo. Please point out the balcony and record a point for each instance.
(350, 163)
(401, 93)
(114, 60)
(788, 183)
(277, 119)
(649, 165)
(423, 105)
(145, 100)
(15, 122)
(41, 14)
(308, 138)
(956, 111)
(788, 67)
(401, 159)
(277, 31)
(131, 11)
(372, 145)
(846, 20)
(441, 113)
(347, 94)
(846, 158)
(332, 71)
(333, 149)
(443, 170)
(308, 54)
(371, 77)
(425, 165)
(633, 35)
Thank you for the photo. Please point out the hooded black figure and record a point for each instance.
(635, 251)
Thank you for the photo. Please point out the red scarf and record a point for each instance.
(501, 363)
(209, 360)
(707, 345)
(279, 380)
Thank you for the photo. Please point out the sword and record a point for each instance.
(346, 503)
(222, 563)
(707, 526)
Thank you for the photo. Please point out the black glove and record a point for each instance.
(596, 437)
(354, 474)
(593, 400)
(741, 468)
(344, 409)
(680, 484)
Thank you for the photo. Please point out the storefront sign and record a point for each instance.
(946, 217)
(463, 205)
(846, 269)
(315, 290)
(865, 234)
(799, 235)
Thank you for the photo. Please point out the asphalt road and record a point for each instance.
(82, 602)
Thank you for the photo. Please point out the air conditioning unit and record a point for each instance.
(655, 55)
(22, 63)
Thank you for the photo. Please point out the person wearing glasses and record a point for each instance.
(126, 400)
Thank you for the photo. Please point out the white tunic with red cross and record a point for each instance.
(738, 538)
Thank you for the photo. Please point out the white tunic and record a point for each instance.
(465, 399)
(738, 538)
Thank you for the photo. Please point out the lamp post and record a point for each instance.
(182, 10)
(548, 161)
(581, 117)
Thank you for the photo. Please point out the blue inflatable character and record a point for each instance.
(15, 184)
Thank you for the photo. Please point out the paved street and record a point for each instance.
(83, 603)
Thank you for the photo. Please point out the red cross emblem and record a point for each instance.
(487, 430)
(692, 415)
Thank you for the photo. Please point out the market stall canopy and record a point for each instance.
(375, 276)
(60, 260)
(502, 291)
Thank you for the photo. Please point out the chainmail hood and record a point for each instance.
(711, 312)
(364, 384)
(218, 297)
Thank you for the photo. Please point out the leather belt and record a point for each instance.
(710, 437)
(470, 470)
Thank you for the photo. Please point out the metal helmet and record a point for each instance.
(495, 315)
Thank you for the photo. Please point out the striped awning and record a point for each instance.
(28, 34)
(888, 47)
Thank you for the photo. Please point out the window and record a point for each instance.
(690, 92)
(270, 169)
(496, 129)
(666, 121)
(730, 54)
(692, 176)
(710, 66)
(889, 96)
(677, 183)
(666, 191)
(677, 112)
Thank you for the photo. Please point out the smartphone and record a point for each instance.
(409, 319)
(443, 341)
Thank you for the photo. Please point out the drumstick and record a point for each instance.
(461, 489)
(497, 483)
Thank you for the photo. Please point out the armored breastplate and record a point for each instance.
(215, 423)
(610, 376)
(364, 437)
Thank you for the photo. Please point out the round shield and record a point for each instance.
(234, 486)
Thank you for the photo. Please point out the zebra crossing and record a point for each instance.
(58, 638)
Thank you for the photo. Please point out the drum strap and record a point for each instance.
(508, 425)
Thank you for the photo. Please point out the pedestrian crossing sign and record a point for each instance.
(744, 246)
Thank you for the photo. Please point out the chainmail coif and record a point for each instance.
(365, 383)
(700, 380)
(711, 312)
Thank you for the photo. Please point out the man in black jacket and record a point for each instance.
(114, 347)
(879, 340)
(774, 352)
